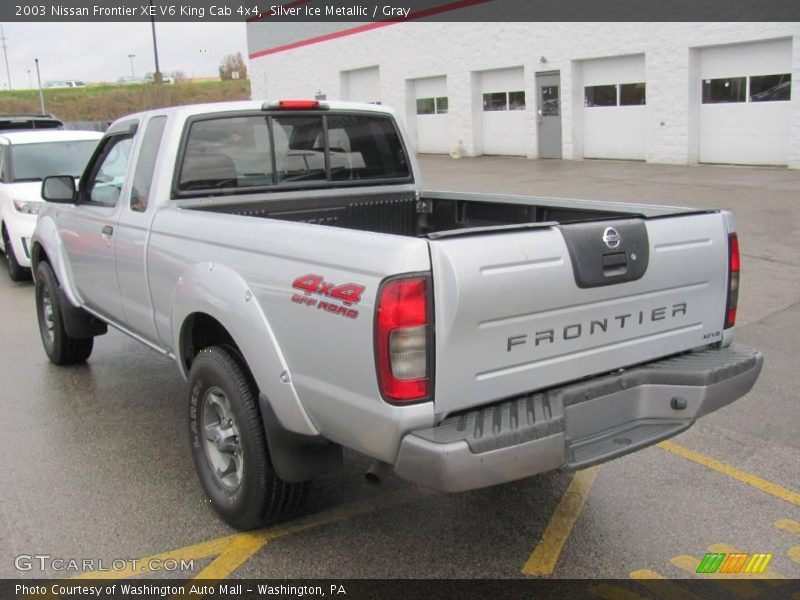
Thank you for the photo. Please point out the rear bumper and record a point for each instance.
(577, 425)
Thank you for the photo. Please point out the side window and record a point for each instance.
(3, 174)
(108, 175)
(145, 164)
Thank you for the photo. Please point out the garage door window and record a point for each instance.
(632, 94)
(432, 106)
(504, 101)
(770, 88)
(725, 90)
(495, 101)
(600, 95)
(426, 106)
(516, 100)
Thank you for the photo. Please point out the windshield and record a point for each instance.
(33, 162)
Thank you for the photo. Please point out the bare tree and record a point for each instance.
(233, 67)
(178, 75)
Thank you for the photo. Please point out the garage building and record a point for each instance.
(680, 93)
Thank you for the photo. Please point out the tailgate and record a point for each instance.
(518, 311)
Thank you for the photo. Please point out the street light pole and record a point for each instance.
(157, 76)
(5, 51)
(132, 56)
(39, 79)
(30, 83)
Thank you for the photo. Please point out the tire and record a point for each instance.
(60, 348)
(245, 491)
(15, 271)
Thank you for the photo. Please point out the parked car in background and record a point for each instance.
(27, 157)
(129, 80)
(32, 121)
(65, 83)
(151, 78)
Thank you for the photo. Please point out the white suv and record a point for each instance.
(26, 157)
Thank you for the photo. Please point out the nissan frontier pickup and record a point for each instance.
(316, 296)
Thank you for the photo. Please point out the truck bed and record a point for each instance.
(430, 213)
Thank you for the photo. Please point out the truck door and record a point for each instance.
(133, 230)
(88, 229)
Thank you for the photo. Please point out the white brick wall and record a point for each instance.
(414, 50)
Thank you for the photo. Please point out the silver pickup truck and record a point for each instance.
(316, 297)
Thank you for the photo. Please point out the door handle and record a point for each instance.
(108, 231)
(539, 116)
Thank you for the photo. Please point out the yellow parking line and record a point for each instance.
(788, 525)
(732, 472)
(645, 574)
(232, 551)
(544, 557)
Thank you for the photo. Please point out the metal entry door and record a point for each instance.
(548, 97)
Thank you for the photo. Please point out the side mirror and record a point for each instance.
(59, 188)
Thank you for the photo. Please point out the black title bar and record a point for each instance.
(365, 11)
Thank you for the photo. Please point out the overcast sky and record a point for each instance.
(99, 51)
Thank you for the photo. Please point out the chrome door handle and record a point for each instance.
(539, 116)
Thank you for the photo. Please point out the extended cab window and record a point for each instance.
(229, 154)
(143, 176)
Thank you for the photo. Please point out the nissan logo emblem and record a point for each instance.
(611, 238)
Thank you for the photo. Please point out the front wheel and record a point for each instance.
(229, 446)
(15, 271)
(60, 348)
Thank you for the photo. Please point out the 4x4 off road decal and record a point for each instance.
(339, 299)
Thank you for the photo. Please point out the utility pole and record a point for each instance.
(157, 76)
(5, 52)
(132, 56)
(30, 83)
(39, 79)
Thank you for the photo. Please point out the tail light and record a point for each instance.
(734, 265)
(403, 342)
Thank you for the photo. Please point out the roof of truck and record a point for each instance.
(189, 110)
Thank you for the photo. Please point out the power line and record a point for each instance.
(5, 52)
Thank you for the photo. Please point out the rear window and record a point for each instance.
(230, 154)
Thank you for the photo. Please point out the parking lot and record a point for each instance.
(95, 463)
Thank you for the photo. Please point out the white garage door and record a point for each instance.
(433, 136)
(503, 118)
(615, 96)
(745, 92)
(362, 85)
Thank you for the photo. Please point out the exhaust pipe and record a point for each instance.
(376, 472)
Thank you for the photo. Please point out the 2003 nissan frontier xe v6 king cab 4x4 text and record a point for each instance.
(317, 297)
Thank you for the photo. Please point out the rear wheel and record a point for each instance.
(229, 446)
(60, 348)
(15, 271)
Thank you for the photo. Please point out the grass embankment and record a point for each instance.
(109, 102)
